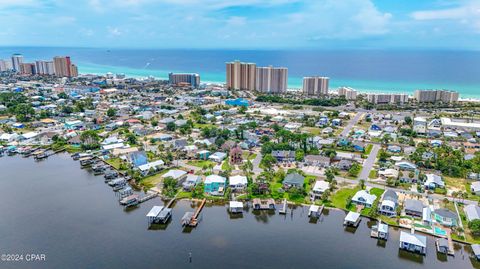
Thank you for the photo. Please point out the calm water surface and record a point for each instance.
(56, 208)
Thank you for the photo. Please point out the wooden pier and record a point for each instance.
(149, 196)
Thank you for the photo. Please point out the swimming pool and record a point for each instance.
(439, 231)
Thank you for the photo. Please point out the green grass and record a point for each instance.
(202, 125)
(339, 198)
(312, 130)
(184, 195)
(249, 156)
(200, 163)
(368, 149)
(373, 174)
(115, 162)
(225, 165)
(153, 180)
(377, 192)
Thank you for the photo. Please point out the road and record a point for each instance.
(256, 164)
(369, 162)
(346, 130)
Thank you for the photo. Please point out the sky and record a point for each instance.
(242, 24)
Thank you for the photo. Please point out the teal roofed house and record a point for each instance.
(215, 185)
(445, 217)
(237, 102)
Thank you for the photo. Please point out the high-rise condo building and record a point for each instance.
(241, 76)
(433, 96)
(387, 98)
(64, 67)
(17, 61)
(27, 68)
(44, 67)
(271, 79)
(348, 93)
(191, 79)
(5, 65)
(73, 70)
(315, 86)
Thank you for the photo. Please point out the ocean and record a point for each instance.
(364, 70)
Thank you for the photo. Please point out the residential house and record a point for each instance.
(318, 189)
(344, 165)
(388, 206)
(475, 187)
(191, 181)
(472, 212)
(317, 160)
(413, 242)
(150, 167)
(284, 155)
(237, 183)
(364, 198)
(445, 217)
(293, 180)
(218, 156)
(214, 185)
(178, 175)
(433, 181)
(137, 158)
(413, 208)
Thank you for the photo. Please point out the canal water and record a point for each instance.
(53, 207)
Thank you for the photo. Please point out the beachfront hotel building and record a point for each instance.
(433, 96)
(17, 61)
(273, 80)
(387, 98)
(348, 93)
(27, 69)
(241, 76)
(191, 79)
(315, 86)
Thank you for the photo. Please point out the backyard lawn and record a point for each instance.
(200, 163)
(339, 198)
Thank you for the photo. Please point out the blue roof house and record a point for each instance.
(138, 158)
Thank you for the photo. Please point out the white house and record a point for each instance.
(433, 181)
(318, 189)
(178, 175)
(238, 182)
(475, 187)
(218, 157)
(155, 165)
(362, 197)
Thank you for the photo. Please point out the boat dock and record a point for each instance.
(263, 204)
(191, 219)
(315, 211)
(159, 214)
(150, 195)
(284, 207)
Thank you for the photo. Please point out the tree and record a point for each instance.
(361, 184)
(268, 161)
(354, 170)
(131, 139)
(408, 120)
(90, 139)
(169, 186)
(474, 226)
(62, 95)
(111, 112)
(24, 112)
(329, 174)
(299, 155)
(171, 126)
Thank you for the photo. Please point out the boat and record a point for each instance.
(118, 181)
(109, 175)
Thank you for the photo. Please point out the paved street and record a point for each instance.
(352, 122)
(369, 162)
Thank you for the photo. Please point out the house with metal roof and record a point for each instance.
(388, 206)
(364, 198)
(413, 242)
(293, 180)
(413, 208)
(445, 217)
(215, 185)
(472, 212)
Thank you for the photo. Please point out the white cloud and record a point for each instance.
(466, 14)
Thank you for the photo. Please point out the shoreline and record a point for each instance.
(362, 86)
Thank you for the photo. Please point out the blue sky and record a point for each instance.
(316, 24)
